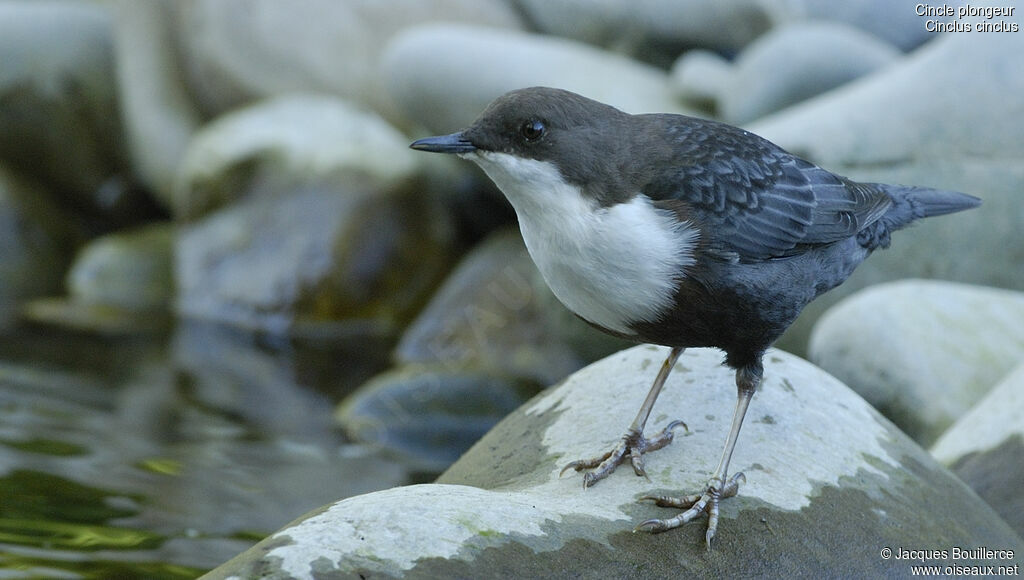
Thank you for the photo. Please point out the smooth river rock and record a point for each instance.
(947, 116)
(288, 141)
(495, 312)
(792, 63)
(923, 352)
(443, 76)
(985, 448)
(234, 51)
(120, 283)
(313, 256)
(830, 485)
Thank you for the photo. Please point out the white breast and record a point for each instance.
(611, 265)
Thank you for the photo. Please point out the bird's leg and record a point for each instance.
(633, 443)
(720, 486)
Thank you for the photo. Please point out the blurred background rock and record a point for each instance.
(212, 234)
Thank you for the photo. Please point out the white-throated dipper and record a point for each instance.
(679, 231)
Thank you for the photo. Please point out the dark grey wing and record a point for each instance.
(756, 200)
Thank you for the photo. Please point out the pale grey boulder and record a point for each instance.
(907, 113)
(923, 352)
(830, 485)
(234, 51)
(795, 62)
(156, 103)
(908, 124)
(699, 76)
(629, 24)
(896, 22)
(442, 76)
(726, 26)
(285, 142)
(985, 448)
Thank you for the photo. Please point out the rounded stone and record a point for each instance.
(429, 415)
(832, 488)
(905, 125)
(923, 352)
(119, 284)
(985, 448)
(288, 141)
(235, 51)
(907, 113)
(156, 104)
(720, 24)
(494, 311)
(897, 23)
(796, 62)
(700, 76)
(313, 256)
(130, 269)
(443, 76)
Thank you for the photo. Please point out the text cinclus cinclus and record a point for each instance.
(682, 232)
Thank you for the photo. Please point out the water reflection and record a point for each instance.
(162, 457)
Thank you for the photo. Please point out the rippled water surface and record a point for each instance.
(164, 456)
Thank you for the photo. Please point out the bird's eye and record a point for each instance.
(532, 130)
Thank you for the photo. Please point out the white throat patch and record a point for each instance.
(611, 265)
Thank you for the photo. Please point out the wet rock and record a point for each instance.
(985, 448)
(284, 386)
(923, 352)
(495, 312)
(904, 125)
(723, 25)
(59, 121)
(119, 283)
(37, 240)
(157, 106)
(312, 256)
(442, 76)
(490, 335)
(793, 63)
(830, 483)
(240, 50)
(430, 414)
(288, 141)
(130, 269)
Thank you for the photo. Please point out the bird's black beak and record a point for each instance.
(454, 143)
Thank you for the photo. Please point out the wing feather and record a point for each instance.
(756, 200)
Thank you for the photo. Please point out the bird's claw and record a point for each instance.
(695, 505)
(633, 444)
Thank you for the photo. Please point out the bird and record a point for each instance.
(679, 231)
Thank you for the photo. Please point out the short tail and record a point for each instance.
(912, 203)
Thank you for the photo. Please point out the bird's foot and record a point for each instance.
(695, 505)
(633, 444)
